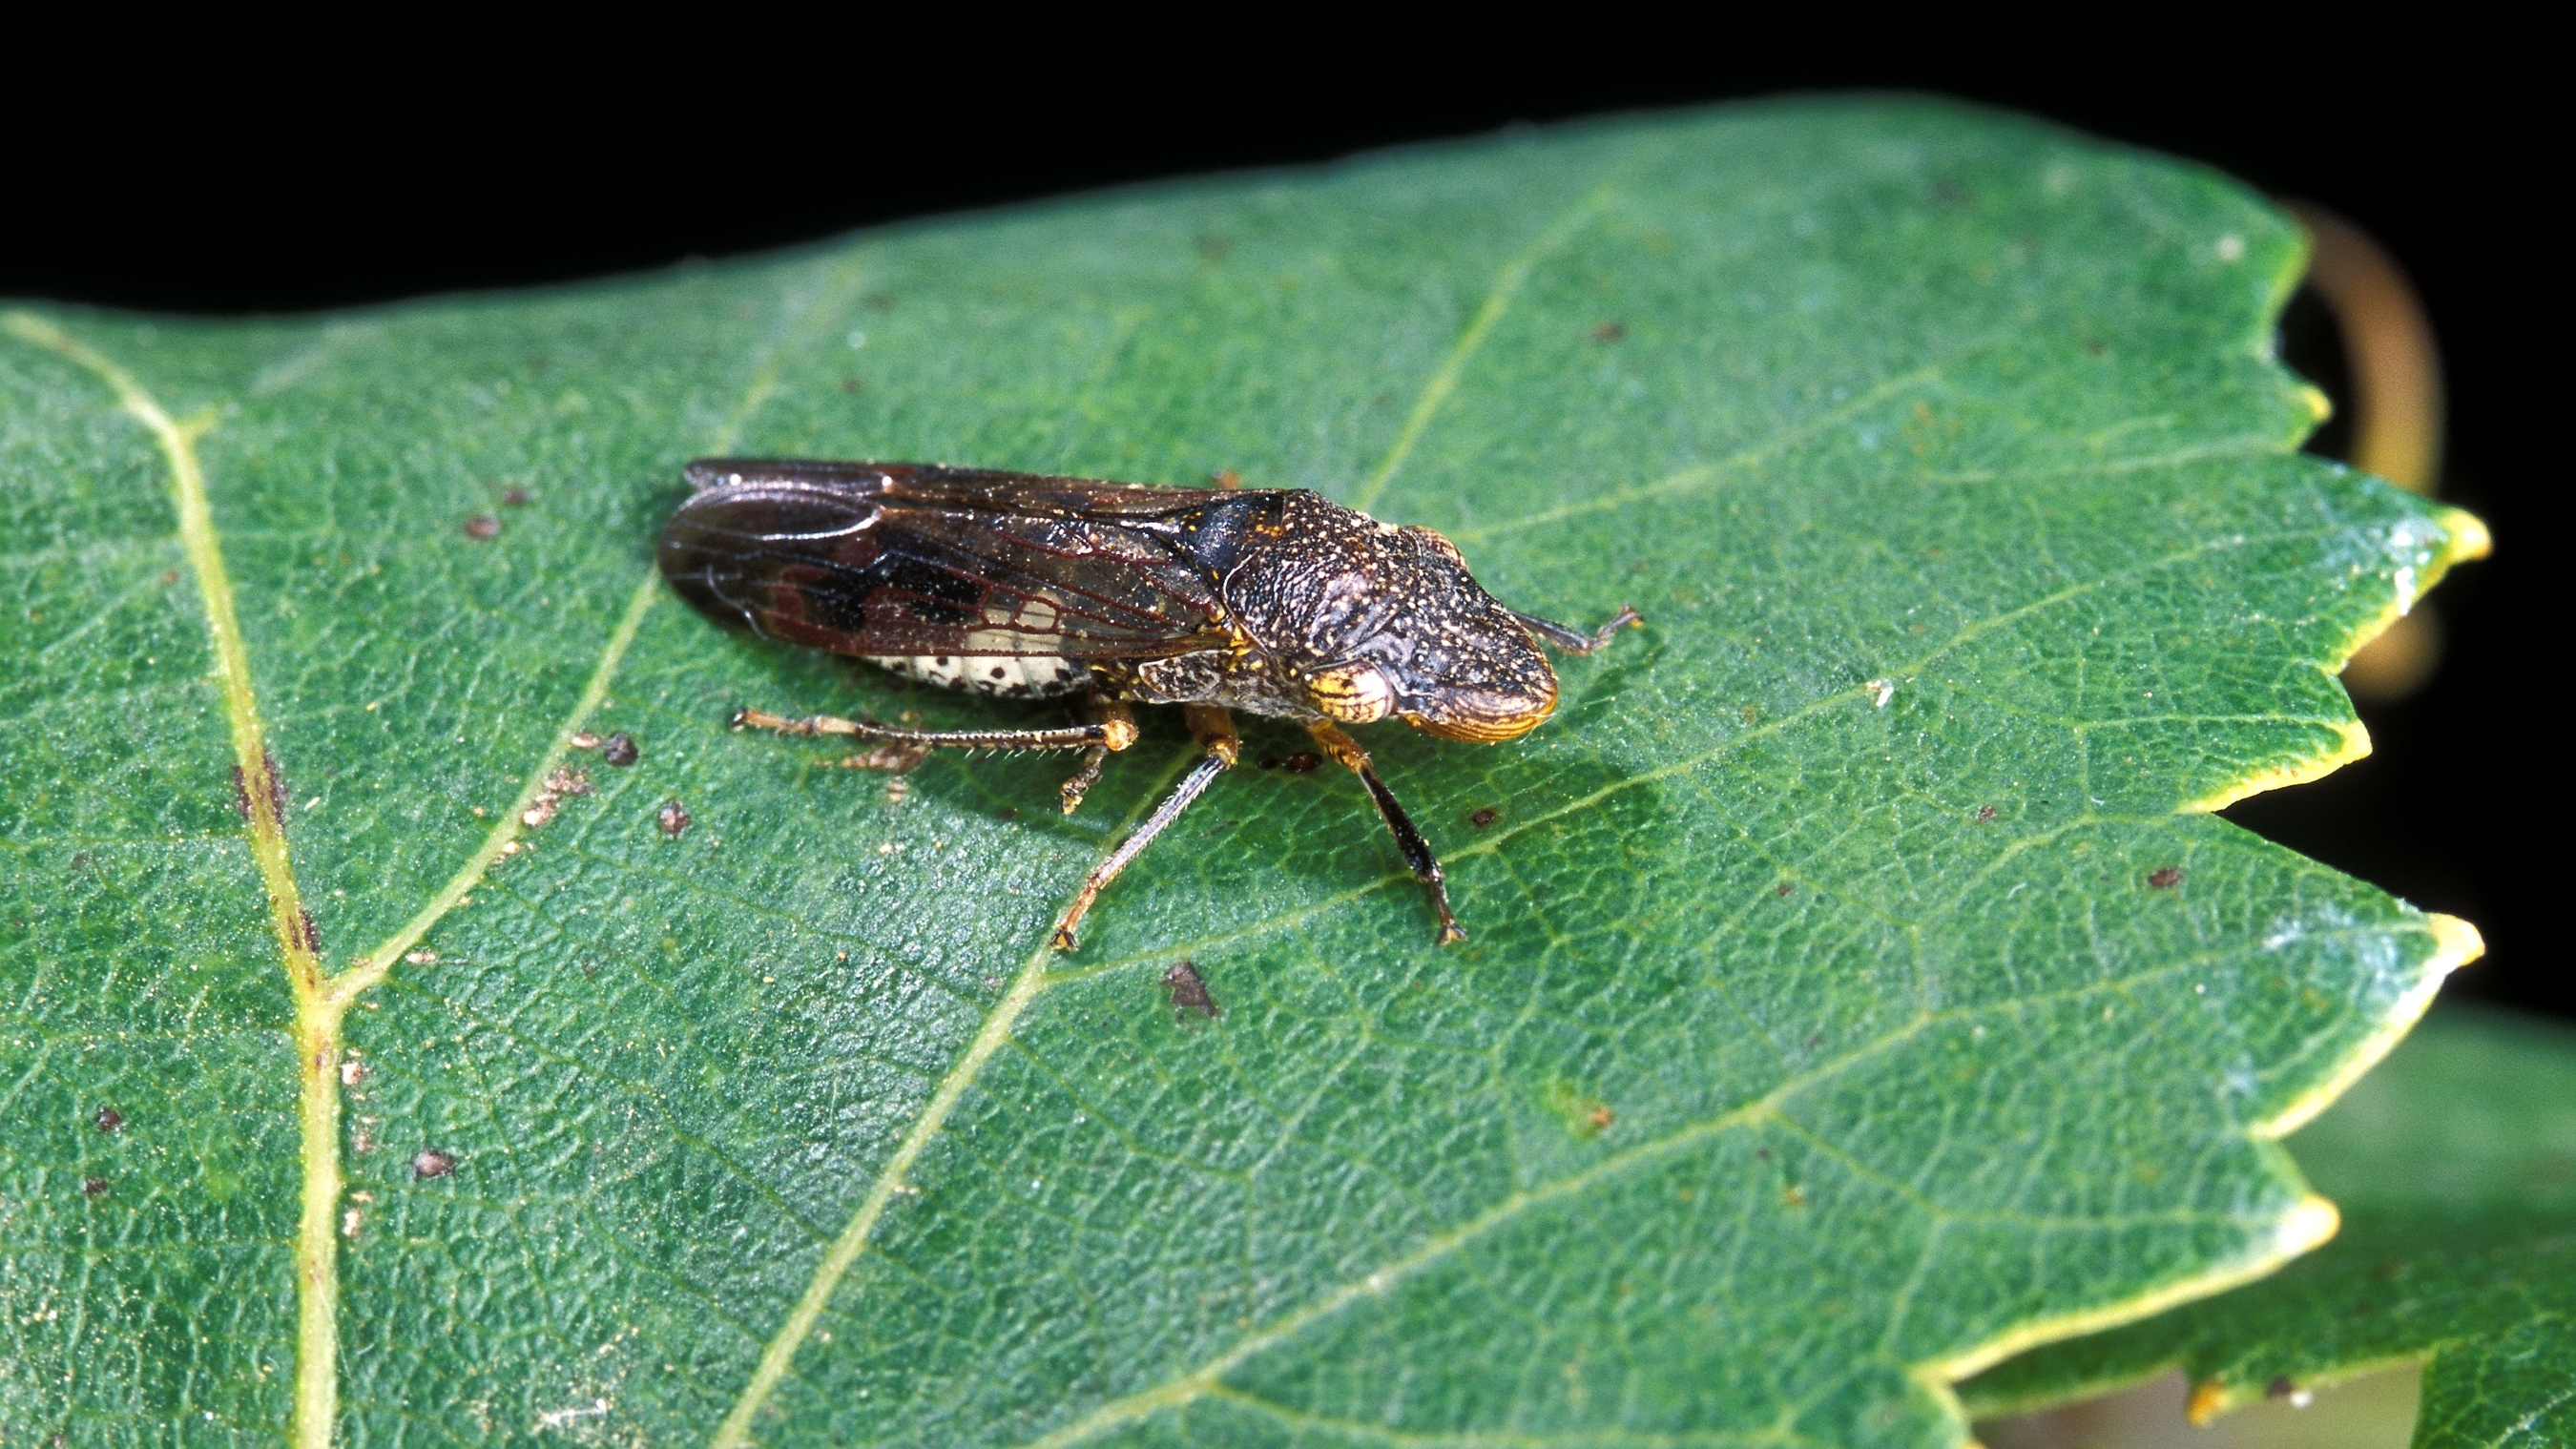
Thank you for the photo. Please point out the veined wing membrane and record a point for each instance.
(873, 559)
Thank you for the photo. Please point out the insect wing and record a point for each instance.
(907, 559)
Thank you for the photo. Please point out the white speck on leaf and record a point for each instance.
(563, 1418)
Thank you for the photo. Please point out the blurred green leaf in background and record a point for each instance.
(1859, 988)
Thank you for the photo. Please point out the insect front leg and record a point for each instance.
(907, 746)
(1575, 641)
(1215, 732)
(1105, 710)
(1417, 851)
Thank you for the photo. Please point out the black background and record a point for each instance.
(215, 184)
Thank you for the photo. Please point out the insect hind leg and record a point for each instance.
(1105, 711)
(1214, 730)
(908, 746)
(1408, 838)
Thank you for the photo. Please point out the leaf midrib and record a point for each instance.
(322, 1001)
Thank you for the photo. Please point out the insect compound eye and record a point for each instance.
(1351, 693)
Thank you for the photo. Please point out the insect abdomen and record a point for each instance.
(1004, 676)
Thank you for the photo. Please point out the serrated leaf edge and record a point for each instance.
(2465, 538)
(2456, 943)
(2306, 1227)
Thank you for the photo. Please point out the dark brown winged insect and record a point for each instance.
(1276, 601)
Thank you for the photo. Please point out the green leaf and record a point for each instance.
(1858, 986)
(2455, 1166)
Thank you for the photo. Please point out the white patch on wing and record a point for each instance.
(1008, 676)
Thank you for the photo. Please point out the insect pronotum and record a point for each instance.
(1275, 601)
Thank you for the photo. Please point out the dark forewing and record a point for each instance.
(899, 558)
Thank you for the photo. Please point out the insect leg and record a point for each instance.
(1417, 851)
(1575, 641)
(1104, 711)
(1110, 734)
(1215, 732)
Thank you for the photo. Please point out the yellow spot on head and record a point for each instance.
(1351, 694)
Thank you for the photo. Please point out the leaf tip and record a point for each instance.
(2351, 742)
(2455, 942)
(2308, 1226)
(2469, 536)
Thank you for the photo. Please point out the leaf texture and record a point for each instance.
(1858, 986)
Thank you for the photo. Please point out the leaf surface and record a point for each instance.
(1858, 987)
(2455, 1166)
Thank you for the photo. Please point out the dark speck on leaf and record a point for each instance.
(80, 860)
(852, 384)
(482, 526)
(2093, 346)
(1815, 1041)
(1301, 763)
(2165, 877)
(1985, 813)
(1010, 812)
(429, 1162)
(619, 750)
(93, 1186)
(109, 1119)
(1784, 889)
(2280, 1387)
(1188, 991)
(1609, 332)
(673, 818)
(515, 497)
(1484, 817)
